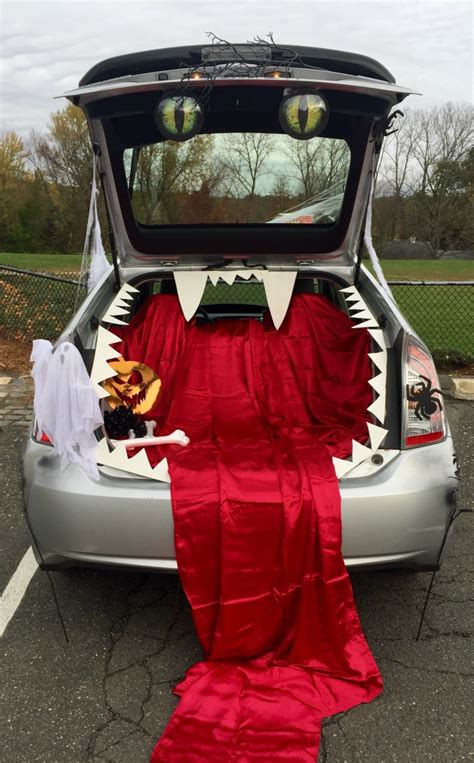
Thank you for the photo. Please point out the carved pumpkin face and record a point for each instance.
(136, 385)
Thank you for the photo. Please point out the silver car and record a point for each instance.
(202, 169)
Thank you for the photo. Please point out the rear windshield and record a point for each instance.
(238, 178)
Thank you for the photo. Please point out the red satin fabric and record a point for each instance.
(256, 509)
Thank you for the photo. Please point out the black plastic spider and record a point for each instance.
(426, 404)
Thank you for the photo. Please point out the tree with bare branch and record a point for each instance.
(245, 157)
(317, 164)
(421, 178)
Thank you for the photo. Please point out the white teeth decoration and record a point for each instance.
(120, 311)
(359, 310)
(278, 290)
(278, 284)
(127, 288)
(350, 290)
(362, 314)
(352, 298)
(360, 452)
(378, 383)
(341, 467)
(120, 305)
(103, 352)
(378, 408)
(214, 277)
(117, 458)
(138, 464)
(379, 359)
(377, 336)
(367, 324)
(190, 285)
(377, 435)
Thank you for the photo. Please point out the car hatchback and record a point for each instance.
(235, 177)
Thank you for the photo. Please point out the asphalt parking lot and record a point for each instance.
(106, 696)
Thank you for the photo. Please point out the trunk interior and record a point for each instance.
(246, 301)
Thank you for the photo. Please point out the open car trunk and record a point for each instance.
(231, 318)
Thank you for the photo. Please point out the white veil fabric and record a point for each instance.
(369, 243)
(94, 262)
(66, 405)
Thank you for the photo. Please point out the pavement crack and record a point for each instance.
(424, 669)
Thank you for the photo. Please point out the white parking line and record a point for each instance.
(16, 588)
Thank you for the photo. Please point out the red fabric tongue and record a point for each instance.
(256, 509)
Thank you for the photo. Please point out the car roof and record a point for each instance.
(191, 55)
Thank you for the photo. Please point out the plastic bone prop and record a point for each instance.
(177, 437)
(278, 285)
(358, 309)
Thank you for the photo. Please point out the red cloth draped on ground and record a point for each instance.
(257, 524)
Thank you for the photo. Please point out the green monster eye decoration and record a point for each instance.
(303, 115)
(179, 117)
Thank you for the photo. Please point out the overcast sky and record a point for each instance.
(47, 46)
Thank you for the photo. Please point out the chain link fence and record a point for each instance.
(36, 305)
(441, 312)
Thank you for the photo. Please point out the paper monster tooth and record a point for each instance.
(379, 359)
(378, 383)
(100, 391)
(356, 301)
(359, 452)
(102, 451)
(103, 348)
(371, 323)
(341, 467)
(352, 298)
(122, 303)
(228, 276)
(377, 336)
(358, 307)
(160, 472)
(101, 370)
(278, 290)
(377, 435)
(115, 321)
(190, 285)
(123, 296)
(349, 290)
(115, 311)
(127, 288)
(362, 313)
(378, 408)
(104, 351)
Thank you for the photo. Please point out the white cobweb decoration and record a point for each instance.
(94, 261)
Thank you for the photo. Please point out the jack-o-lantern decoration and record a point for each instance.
(135, 385)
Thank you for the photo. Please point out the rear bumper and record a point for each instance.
(396, 517)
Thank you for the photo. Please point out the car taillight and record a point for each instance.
(41, 438)
(423, 419)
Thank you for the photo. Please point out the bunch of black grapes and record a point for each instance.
(119, 421)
